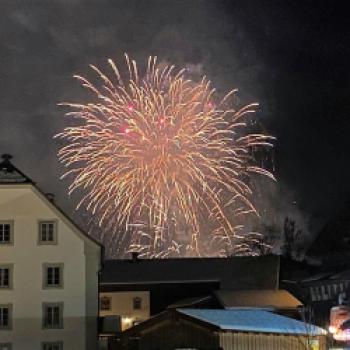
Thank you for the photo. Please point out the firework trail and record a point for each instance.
(161, 150)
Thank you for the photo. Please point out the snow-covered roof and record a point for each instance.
(252, 321)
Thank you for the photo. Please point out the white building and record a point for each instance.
(48, 271)
(131, 307)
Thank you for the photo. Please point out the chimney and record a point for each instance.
(50, 196)
(134, 256)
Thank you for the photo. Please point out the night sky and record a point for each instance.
(291, 56)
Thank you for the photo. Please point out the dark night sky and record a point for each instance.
(291, 56)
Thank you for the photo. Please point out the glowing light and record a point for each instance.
(332, 329)
(342, 335)
(127, 322)
(189, 171)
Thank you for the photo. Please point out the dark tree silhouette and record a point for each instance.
(291, 239)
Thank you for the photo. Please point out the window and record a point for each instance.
(6, 276)
(52, 276)
(56, 345)
(48, 232)
(52, 315)
(6, 232)
(5, 316)
(106, 303)
(5, 346)
(137, 301)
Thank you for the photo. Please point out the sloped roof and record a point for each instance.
(343, 275)
(232, 273)
(275, 299)
(317, 277)
(66, 217)
(325, 276)
(258, 321)
(187, 302)
(9, 174)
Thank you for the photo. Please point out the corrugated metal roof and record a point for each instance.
(276, 299)
(252, 321)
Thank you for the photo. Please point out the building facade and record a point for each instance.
(132, 307)
(48, 271)
(133, 290)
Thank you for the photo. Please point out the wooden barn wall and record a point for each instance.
(169, 335)
(175, 332)
(263, 341)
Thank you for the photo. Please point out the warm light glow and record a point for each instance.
(332, 329)
(127, 322)
(342, 335)
(186, 165)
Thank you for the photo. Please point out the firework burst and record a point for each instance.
(161, 150)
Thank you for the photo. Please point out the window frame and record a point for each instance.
(9, 326)
(50, 343)
(11, 241)
(46, 266)
(46, 305)
(10, 268)
(110, 303)
(55, 230)
(137, 301)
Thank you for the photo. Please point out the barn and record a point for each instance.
(217, 329)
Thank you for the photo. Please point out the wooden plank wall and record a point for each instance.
(263, 341)
(169, 335)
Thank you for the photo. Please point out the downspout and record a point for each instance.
(99, 273)
(278, 272)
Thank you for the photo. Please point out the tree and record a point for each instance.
(291, 239)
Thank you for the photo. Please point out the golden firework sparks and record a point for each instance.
(162, 150)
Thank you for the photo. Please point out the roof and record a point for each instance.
(9, 174)
(343, 275)
(67, 217)
(275, 299)
(190, 302)
(258, 321)
(317, 277)
(231, 273)
(296, 270)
